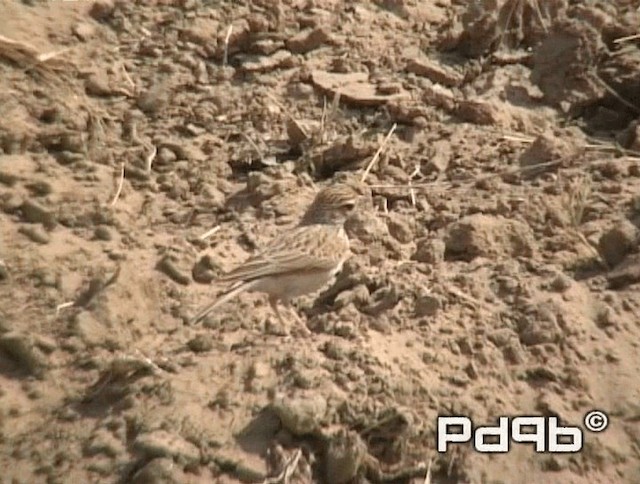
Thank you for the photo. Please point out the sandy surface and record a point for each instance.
(495, 266)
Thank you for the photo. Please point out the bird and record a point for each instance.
(300, 261)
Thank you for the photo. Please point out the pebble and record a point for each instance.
(22, 349)
(300, 414)
(157, 471)
(429, 251)
(36, 233)
(201, 343)
(617, 242)
(34, 212)
(168, 266)
(345, 456)
(160, 443)
(101, 10)
(102, 232)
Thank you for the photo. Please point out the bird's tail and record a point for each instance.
(234, 291)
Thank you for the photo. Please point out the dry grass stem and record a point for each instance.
(378, 153)
(254, 145)
(628, 38)
(151, 157)
(576, 198)
(225, 57)
(120, 185)
(427, 478)
(209, 233)
(615, 94)
(412, 193)
(128, 78)
(65, 305)
(288, 470)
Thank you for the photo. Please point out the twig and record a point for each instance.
(427, 478)
(517, 139)
(615, 94)
(209, 233)
(62, 306)
(128, 77)
(120, 184)
(225, 58)
(619, 40)
(254, 145)
(377, 155)
(412, 192)
(288, 470)
(151, 157)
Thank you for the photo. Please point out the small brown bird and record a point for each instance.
(301, 261)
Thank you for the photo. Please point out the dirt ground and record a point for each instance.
(147, 147)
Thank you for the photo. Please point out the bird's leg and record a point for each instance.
(273, 302)
(297, 317)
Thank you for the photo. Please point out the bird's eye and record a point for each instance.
(348, 206)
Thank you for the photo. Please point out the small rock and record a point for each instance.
(627, 273)
(166, 156)
(561, 283)
(89, 329)
(344, 458)
(439, 156)
(104, 442)
(168, 265)
(617, 242)
(35, 233)
(359, 296)
(201, 343)
(300, 414)
(102, 232)
(383, 299)
(97, 84)
(23, 350)
(551, 404)
(479, 112)
(33, 212)
(514, 353)
(40, 188)
(436, 72)
(308, 40)
(538, 325)
(154, 99)
(546, 147)
(471, 371)
(336, 350)
(427, 305)
(429, 251)
(102, 10)
(501, 337)
(205, 270)
(400, 229)
(157, 471)
(486, 236)
(84, 31)
(366, 227)
(160, 443)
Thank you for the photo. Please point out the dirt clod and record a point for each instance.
(617, 242)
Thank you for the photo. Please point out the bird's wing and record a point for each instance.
(304, 248)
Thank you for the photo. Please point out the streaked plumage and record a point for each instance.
(301, 261)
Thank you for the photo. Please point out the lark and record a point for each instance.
(301, 261)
